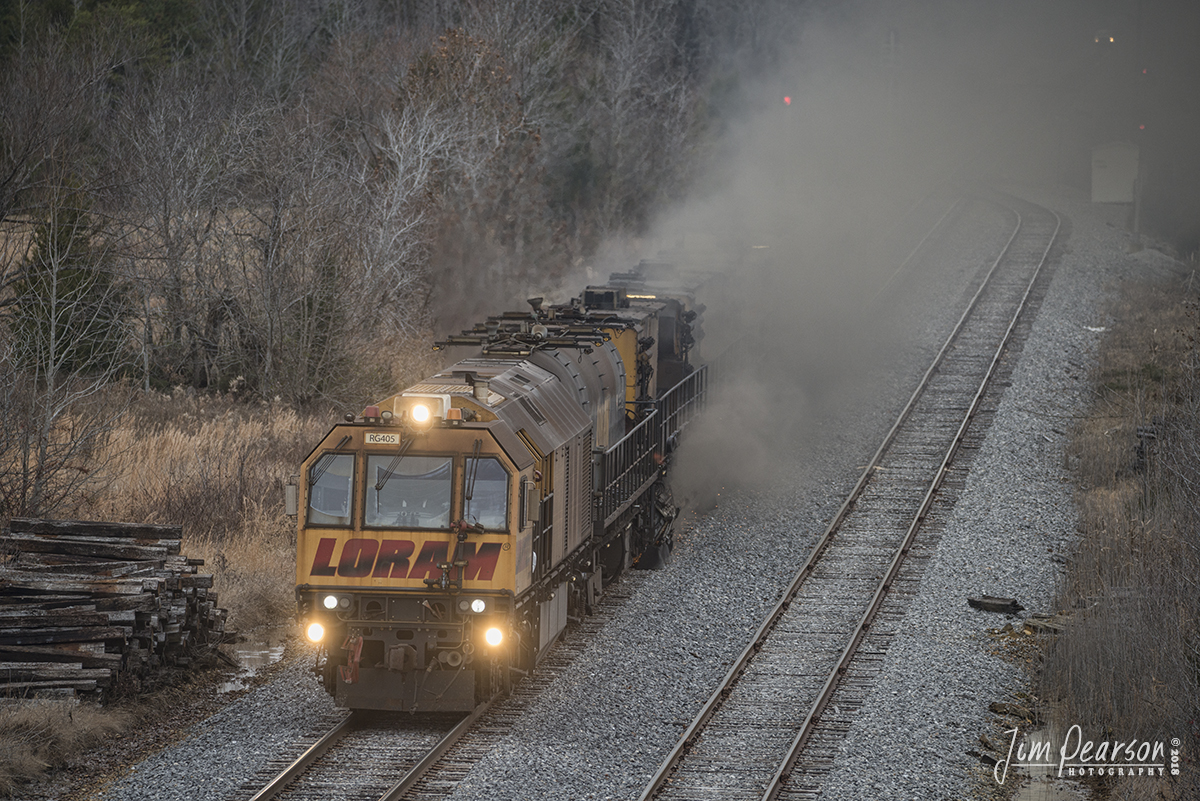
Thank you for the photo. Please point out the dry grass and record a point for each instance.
(200, 461)
(255, 566)
(218, 467)
(37, 735)
(1127, 664)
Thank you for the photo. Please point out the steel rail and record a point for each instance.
(410, 779)
(831, 683)
(305, 760)
(438, 773)
(313, 754)
(710, 707)
(904, 263)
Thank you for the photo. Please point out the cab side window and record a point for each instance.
(486, 493)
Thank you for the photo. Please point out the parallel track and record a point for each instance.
(751, 736)
(753, 730)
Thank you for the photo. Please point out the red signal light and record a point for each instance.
(787, 101)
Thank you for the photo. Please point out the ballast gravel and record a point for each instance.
(1009, 534)
(224, 751)
(602, 728)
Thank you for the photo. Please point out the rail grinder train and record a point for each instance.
(448, 533)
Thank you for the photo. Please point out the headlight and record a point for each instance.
(420, 413)
(476, 605)
(330, 602)
(316, 632)
(494, 636)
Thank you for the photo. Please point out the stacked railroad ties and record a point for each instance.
(83, 605)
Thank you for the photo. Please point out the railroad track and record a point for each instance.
(446, 772)
(375, 756)
(751, 735)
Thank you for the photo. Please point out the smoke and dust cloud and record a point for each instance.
(816, 200)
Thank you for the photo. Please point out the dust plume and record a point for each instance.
(882, 112)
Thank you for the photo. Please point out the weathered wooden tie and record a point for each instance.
(82, 601)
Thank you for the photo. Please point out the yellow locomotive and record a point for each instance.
(447, 534)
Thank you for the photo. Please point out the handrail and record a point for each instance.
(629, 464)
(632, 462)
(680, 404)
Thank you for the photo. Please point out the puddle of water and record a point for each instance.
(1049, 789)
(1043, 784)
(261, 649)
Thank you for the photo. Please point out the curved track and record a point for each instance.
(755, 728)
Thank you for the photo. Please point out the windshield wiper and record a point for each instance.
(470, 483)
(391, 468)
(323, 463)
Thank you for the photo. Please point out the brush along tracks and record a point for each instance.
(749, 737)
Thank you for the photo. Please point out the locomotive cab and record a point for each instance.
(405, 562)
(433, 532)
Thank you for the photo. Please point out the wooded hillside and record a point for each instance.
(283, 200)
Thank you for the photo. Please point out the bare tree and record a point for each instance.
(414, 148)
(539, 41)
(44, 104)
(307, 178)
(260, 43)
(284, 262)
(642, 112)
(64, 342)
(63, 313)
(173, 143)
(489, 201)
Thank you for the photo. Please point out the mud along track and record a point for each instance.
(373, 756)
(754, 728)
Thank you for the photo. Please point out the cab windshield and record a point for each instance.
(416, 494)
